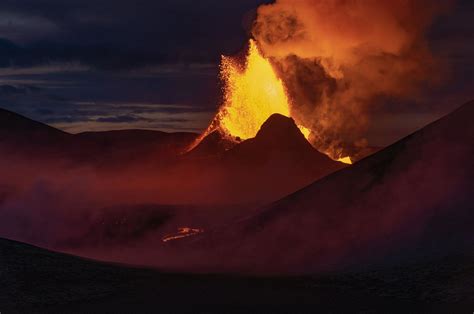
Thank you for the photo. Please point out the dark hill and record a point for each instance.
(27, 137)
(213, 145)
(280, 140)
(410, 201)
(19, 130)
(40, 281)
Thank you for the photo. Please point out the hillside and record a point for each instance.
(409, 201)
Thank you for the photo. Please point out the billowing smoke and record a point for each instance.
(338, 57)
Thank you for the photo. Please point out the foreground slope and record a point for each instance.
(409, 201)
(39, 281)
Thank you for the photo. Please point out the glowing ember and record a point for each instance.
(346, 160)
(183, 232)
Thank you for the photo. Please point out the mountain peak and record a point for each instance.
(211, 145)
(13, 124)
(281, 131)
(279, 138)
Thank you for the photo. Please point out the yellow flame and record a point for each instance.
(252, 95)
(346, 160)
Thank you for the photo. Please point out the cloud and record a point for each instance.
(8, 90)
(157, 32)
(122, 119)
(23, 28)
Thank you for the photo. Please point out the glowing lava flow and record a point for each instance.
(346, 160)
(183, 232)
(252, 93)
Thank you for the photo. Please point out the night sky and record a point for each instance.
(111, 64)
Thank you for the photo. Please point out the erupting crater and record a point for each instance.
(252, 93)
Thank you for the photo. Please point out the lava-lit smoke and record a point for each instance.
(336, 57)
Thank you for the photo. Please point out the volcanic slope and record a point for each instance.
(410, 201)
(278, 161)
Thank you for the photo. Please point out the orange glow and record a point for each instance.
(183, 232)
(306, 132)
(346, 160)
(252, 93)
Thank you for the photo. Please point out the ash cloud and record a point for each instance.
(338, 57)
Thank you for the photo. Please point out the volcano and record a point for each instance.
(280, 138)
(274, 163)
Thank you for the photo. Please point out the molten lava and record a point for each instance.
(183, 232)
(252, 93)
(346, 160)
(251, 96)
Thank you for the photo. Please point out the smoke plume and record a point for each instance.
(337, 57)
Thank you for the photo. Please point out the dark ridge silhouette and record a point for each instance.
(217, 171)
(409, 201)
(19, 130)
(280, 139)
(276, 162)
(365, 152)
(133, 146)
(21, 135)
(214, 144)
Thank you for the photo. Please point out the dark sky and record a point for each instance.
(108, 64)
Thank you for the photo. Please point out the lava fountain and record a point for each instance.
(252, 93)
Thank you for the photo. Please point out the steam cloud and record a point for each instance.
(337, 57)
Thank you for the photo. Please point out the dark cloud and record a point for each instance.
(122, 119)
(163, 55)
(65, 119)
(8, 90)
(122, 34)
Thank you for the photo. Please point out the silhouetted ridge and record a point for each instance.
(410, 201)
(213, 144)
(280, 139)
(11, 122)
(280, 130)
